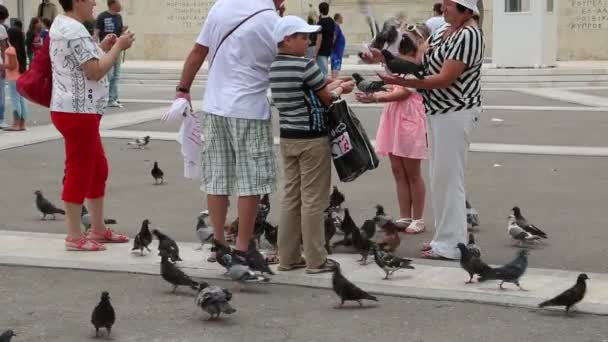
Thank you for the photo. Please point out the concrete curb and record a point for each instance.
(432, 281)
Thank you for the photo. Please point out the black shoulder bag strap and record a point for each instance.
(234, 29)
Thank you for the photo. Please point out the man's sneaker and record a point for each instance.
(115, 104)
(4, 125)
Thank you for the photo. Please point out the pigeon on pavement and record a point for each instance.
(472, 247)
(346, 290)
(472, 215)
(569, 297)
(140, 142)
(85, 219)
(336, 198)
(472, 263)
(144, 238)
(103, 315)
(330, 230)
(7, 335)
(389, 262)
(509, 273)
(157, 174)
(168, 245)
(173, 275)
(522, 222)
(214, 300)
(518, 233)
(203, 231)
(46, 207)
(241, 273)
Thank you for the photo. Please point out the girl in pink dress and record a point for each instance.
(402, 137)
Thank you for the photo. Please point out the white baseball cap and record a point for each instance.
(470, 4)
(291, 24)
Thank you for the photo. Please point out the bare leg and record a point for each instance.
(218, 208)
(416, 186)
(72, 219)
(403, 187)
(248, 209)
(95, 207)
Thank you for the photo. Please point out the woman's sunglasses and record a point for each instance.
(414, 28)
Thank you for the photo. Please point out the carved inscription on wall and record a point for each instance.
(187, 14)
(589, 15)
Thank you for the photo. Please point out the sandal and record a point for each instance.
(109, 236)
(416, 227)
(328, 266)
(430, 254)
(296, 266)
(426, 246)
(83, 244)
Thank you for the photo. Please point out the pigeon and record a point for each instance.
(569, 297)
(347, 227)
(271, 233)
(140, 142)
(203, 231)
(330, 231)
(388, 35)
(518, 233)
(173, 275)
(46, 207)
(214, 300)
(369, 228)
(336, 198)
(7, 336)
(472, 247)
(472, 215)
(103, 315)
(240, 272)
(367, 86)
(391, 240)
(85, 219)
(522, 222)
(472, 263)
(346, 290)
(400, 66)
(509, 273)
(220, 250)
(144, 238)
(362, 244)
(157, 174)
(264, 207)
(256, 261)
(168, 245)
(381, 218)
(390, 263)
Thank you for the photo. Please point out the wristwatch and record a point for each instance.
(182, 90)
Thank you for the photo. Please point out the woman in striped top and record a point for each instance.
(452, 97)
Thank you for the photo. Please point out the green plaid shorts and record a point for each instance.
(237, 156)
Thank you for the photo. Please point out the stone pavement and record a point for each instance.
(438, 282)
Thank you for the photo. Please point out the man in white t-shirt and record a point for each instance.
(3, 47)
(437, 20)
(237, 148)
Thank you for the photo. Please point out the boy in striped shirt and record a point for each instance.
(301, 94)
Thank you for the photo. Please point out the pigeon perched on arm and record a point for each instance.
(346, 290)
(472, 263)
(203, 231)
(368, 86)
(103, 315)
(400, 66)
(571, 296)
(390, 263)
(173, 275)
(144, 238)
(530, 228)
(46, 207)
(167, 245)
(7, 335)
(214, 300)
(85, 219)
(509, 273)
(157, 174)
(518, 233)
(140, 142)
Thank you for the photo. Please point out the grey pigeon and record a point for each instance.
(336, 198)
(103, 315)
(203, 231)
(346, 290)
(167, 245)
(518, 233)
(255, 259)
(362, 244)
(472, 263)
(144, 238)
(214, 300)
(157, 174)
(571, 296)
(390, 263)
(529, 227)
(472, 247)
(347, 226)
(330, 230)
(173, 275)
(85, 219)
(140, 142)
(472, 215)
(240, 272)
(46, 207)
(381, 217)
(400, 66)
(368, 86)
(7, 336)
(509, 273)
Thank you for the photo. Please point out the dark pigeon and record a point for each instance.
(173, 275)
(157, 174)
(46, 207)
(346, 290)
(144, 238)
(103, 315)
(509, 273)
(400, 66)
(167, 245)
(214, 300)
(7, 336)
(368, 86)
(569, 297)
(472, 263)
(472, 247)
(336, 198)
(330, 230)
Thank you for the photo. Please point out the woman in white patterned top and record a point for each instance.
(451, 89)
(80, 92)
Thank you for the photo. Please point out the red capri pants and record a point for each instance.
(86, 166)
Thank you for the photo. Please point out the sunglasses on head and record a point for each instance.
(414, 28)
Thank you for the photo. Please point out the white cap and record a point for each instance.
(291, 24)
(470, 4)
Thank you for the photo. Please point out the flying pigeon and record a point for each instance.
(103, 315)
(571, 296)
(346, 290)
(46, 207)
(140, 142)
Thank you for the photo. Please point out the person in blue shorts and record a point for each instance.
(338, 49)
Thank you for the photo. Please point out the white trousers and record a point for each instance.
(449, 137)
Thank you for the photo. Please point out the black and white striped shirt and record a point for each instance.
(465, 45)
(294, 82)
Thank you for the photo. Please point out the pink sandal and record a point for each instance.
(109, 236)
(83, 244)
